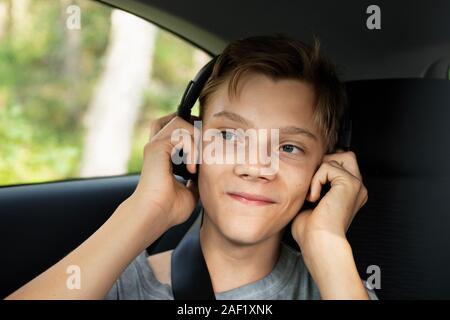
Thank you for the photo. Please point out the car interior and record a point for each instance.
(397, 81)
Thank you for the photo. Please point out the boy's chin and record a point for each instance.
(243, 236)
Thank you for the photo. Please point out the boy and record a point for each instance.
(258, 83)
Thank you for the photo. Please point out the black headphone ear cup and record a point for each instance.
(190, 96)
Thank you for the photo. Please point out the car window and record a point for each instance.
(79, 84)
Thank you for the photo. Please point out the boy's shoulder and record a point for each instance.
(160, 264)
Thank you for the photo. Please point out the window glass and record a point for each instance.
(79, 84)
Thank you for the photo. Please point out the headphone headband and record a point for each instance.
(193, 89)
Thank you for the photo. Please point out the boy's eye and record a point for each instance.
(227, 135)
(290, 148)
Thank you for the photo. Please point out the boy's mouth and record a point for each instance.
(251, 199)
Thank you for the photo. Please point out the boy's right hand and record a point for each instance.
(157, 185)
(158, 203)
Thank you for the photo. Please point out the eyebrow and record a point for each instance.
(289, 130)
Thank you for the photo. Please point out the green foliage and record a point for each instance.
(42, 107)
(33, 154)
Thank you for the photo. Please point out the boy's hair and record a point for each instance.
(281, 57)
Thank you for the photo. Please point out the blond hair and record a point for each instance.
(281, 57)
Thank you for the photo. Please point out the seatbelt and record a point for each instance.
(172, 237)
(189, 272)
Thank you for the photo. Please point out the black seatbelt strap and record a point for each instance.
(189, 273)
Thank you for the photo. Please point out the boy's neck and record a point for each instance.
(232, 265)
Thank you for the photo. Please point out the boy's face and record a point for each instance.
(264, 104)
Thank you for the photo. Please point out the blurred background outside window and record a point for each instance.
(79, 84)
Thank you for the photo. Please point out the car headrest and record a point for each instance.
(439, 69)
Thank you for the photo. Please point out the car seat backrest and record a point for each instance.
(401, 136)
(439, 69)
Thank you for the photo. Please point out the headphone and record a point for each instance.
(192, 93)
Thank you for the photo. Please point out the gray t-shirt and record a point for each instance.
(289, 280)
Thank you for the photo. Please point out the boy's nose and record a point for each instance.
(257, 171)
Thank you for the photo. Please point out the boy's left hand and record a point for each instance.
(335, 211)
(320, 232)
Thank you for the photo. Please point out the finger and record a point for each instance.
(190, 152)
(181, 136)
(340, 166)
(337, 164)
(347, 160)
(193, 156)
(331, 172)
(159, 123)
(175, 124)
(363, 197)
(326, 173)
